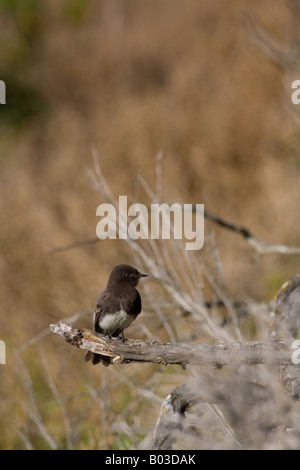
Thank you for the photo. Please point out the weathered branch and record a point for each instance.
(171, 417)
(239, 391)
(275, 352)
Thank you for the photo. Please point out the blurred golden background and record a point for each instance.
(131, 78)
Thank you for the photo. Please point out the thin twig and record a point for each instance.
(262, 247)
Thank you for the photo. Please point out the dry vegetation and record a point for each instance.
(132, 78)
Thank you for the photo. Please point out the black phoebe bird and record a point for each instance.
(117, 306)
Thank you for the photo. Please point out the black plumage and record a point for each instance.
(117, 306)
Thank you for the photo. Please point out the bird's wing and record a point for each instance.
(105, 304)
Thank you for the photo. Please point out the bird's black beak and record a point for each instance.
(143, 275)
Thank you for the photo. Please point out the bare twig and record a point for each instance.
(260, 246)
(31, 407)
(77, 244)
(281, 56)
(25, 439)
(45, 332)
(60, 402)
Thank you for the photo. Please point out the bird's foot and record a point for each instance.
(123, 337)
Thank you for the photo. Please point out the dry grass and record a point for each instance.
(132, 78)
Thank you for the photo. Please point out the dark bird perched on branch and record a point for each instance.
(117, 306)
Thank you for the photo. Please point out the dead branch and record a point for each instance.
(170, 424)
(241, 394)
(172, 414)
(260, 246)
(276, 352)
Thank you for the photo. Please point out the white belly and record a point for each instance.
(116, 321)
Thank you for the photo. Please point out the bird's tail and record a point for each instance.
(96, 358)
